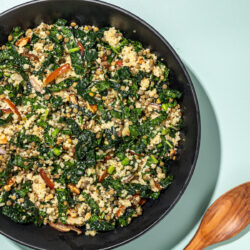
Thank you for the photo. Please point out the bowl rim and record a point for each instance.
(196, 104)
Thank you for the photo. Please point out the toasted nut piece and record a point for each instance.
(120, 211)
(157, 185)
(172, 153)
(126, 131)
(141, 60)
(49, 197)
(59, 37)
(158, 101)
(65, 228)
(3, 139)
(73, 99)
(92, 108)
(22, 41)
(87, 216)
(72, 213)
(74, 189)
(11, 181)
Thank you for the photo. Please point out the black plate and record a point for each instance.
(102, 14)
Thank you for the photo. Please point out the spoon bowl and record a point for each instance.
(225, 218)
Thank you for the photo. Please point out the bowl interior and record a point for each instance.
(102, 14)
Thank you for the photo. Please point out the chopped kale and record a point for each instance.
(84, 149)
(21, 139)
(7, 120)
(73, 126)
(61, 85)
(137, 46)
(90, 55)
(82, 86)
(62, 200)
(93, 205)
(123, 73)
(11, 60)
(100, 225)
(72, 172)
(23, 213)
(83, 129)
(4, 175)
(167, 181)
(56, 102)
(126, 217)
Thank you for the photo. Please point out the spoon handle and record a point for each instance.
(196, 243)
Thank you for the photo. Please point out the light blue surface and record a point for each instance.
(212, 37)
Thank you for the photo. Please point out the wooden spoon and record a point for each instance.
(225, 218)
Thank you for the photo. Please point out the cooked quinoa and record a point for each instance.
(88, 126)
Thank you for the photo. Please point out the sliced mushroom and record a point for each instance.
(2, 151)
(65, 228)
(78, 221)
(128, 179)
(30, 56)
(37, 84)
(156, 106)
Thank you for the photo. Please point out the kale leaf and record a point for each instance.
(10, 59)
(62, 200)
(7, 120)
(76, 58)
(61, 85)
(4, 175)
(72, 172)
(91, 202)
(100, 225)
(20, 139)
(82, 86)
(23, 213)
(125, 218)
(56, 102)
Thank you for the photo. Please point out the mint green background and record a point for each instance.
(212, 37)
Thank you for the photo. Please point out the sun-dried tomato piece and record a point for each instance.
(61, 70)
(46, 179)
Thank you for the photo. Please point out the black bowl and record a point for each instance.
(102, 14)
